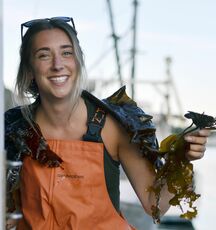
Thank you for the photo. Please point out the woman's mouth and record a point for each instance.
(58, 80)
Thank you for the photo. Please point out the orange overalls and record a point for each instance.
(71, 197)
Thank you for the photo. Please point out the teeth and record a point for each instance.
(59, 79)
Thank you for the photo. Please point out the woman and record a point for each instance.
(80, 141)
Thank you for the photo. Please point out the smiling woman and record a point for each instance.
(71, 144)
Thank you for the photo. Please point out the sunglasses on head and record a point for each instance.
(31, 23)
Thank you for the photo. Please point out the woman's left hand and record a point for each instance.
(197, 144)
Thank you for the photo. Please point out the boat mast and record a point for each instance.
(134, 49)
(115, 39)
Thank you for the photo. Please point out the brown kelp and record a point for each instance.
(177, 171)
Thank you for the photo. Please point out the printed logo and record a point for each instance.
(70, 176)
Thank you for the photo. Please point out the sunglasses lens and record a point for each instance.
(32, 22)
(64, 19)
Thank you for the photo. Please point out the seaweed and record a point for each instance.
(177, 171)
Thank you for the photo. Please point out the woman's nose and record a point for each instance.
(57, 63)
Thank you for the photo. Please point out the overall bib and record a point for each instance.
(71, 197)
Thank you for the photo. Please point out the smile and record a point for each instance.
(58, 80)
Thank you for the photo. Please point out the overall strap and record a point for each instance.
(95, 123)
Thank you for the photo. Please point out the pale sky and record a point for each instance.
(182, 29)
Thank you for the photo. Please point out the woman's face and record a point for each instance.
(53, 64)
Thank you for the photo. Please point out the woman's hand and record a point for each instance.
(197, 144)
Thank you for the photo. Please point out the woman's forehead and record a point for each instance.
(51, 37)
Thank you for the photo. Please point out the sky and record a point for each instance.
(183, 30)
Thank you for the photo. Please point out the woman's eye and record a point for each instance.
(68, 53)
(43, 56)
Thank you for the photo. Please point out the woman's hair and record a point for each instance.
(25, 87)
